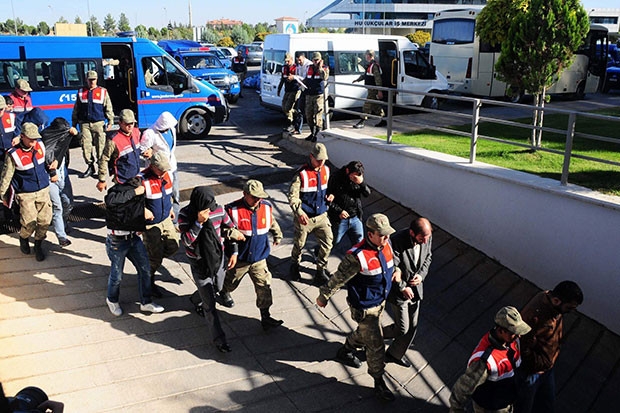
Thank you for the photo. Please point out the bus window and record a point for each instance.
(11, 71)
(454, 31)
(61, 74)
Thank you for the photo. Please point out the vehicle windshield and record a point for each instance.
(203, 62)
(454, 31)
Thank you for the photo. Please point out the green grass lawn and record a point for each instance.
(597, 176)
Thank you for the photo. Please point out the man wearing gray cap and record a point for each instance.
(253, 216)
(22, 102)
(368, 270)
(291, 91)
(92, 107)
(160, 238)
(121, 153)
(490, 379)
(9, 132)
(308, 199)
(27, 173)
(315, 95)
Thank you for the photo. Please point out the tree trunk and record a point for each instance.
(534, 121)
(540, 118)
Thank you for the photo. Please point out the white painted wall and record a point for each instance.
(542, 231)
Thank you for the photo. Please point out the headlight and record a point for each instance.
(234, 79)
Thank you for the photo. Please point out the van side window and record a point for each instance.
(350, 62)
(416, 65)
(10, 72)
(164, 73)
(273, 61)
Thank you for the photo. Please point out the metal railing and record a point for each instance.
(475, 117)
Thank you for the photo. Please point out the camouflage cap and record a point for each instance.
(319, 151)
(510, 319)
(91, 74)
(255, 188)
(316, 55)
(379, 223)
(30, 131)
(370, 52)
(22, 84)
(288, 57)
(160, 161)
(127, 116)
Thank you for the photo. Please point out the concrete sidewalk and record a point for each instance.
(57, 333)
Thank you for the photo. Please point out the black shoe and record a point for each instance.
(401, 362)
(382, 392)
(38, 250)
(381, 123)
(321, 277)
(24, 245)
(270, 322)
(64, 242)
(311, 138)
(90, 171)
(223, 347)
(348, 358)
(225, 299)
(360, 124)
(294, 271)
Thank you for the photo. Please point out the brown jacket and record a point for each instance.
(541, 346)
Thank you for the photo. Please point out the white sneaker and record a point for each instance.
(151, 308)
(115, 308)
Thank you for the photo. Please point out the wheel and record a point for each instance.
(516, 96)
(233, 98)
(430, 102)
(606, 87)
(580, 93)
(195, 124)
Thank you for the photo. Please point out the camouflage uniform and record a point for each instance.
(372, 107)
(260, 276)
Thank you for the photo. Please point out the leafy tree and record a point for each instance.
(93, 28)
(123, 23)
(109, 24)
(539, 43)
(226, 42)
(154, 34)
(62, 20)
(43, 28)
(141, 30)
(210, 36)
(494, 20)
(239, 35)
(77, 20)
(261, 28)
(420, 37)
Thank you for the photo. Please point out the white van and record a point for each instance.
(403, 65)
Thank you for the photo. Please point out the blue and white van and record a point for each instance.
(137, 73)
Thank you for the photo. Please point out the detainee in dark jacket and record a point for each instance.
(125, 219)
(345, 212)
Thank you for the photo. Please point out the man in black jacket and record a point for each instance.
(412, 246)
(126, 218)
(345, 212)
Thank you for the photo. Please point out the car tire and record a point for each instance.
(233, 98)
(195, 124)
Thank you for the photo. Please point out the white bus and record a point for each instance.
(469, 64)
(402, 64)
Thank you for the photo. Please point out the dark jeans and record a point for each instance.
(206, 289)
(536, 393)
(131, 247)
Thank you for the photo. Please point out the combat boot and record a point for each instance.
(294, 271)
(24, 245)
(360, 124)
(38, 250)
(90, 171)
(267, 321)
(382, 392)
(321, 277)
(347, 357)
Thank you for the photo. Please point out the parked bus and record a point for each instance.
(138, 74)
(402, 64)
(469, 64)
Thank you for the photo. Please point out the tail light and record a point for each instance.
(468, 73)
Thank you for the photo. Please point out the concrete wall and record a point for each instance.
(542, 231)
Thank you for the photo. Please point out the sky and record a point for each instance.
(157, 13)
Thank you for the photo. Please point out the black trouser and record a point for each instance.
(206, 289)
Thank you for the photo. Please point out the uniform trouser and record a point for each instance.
(314, 111)
(372, 107)
(241, 77)
(161, 240)
(35, 213)
(322, 229)
(260, 276)
(206, 290)
(368, 334)
(404, 328)
(93, 136)
(288, 103)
